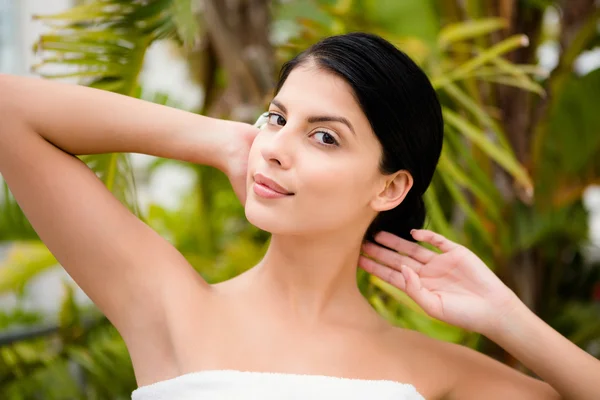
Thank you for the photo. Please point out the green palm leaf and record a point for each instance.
(455, 175)
(488, 55)
(468, 30)
(462, 99)
(102, 44)
(495, 152)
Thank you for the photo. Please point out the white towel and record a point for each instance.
(234, 385)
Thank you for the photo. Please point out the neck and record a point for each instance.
(313, 277)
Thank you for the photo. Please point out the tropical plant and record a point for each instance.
(508, 123)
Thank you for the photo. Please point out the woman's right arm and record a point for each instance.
(81, 120)
(132, 274)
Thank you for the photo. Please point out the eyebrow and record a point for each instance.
(319, 118)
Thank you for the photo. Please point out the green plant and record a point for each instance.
(498, 189)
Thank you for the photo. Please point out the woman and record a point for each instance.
(350, 144)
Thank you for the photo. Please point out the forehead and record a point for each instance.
(311, 90)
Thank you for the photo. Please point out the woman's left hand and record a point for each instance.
(454, 286)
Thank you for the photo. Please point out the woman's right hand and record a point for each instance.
(236, 148)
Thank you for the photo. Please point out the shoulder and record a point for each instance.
(431, 363)
(453, 371)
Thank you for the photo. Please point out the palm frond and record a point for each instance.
(466, 30)
(117, 174)
(499, 49)
(102, 44)
(448, 167)
(481, 116)
(495, 152)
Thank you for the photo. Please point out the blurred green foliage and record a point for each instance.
(518, 206)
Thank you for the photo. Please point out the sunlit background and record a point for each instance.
(532, 210)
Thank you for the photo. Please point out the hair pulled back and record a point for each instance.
(402, 107)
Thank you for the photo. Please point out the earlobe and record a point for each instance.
(395, 190)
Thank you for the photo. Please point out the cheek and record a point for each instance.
(255, 148)
(339, 180)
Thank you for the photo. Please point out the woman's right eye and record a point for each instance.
(275, 119)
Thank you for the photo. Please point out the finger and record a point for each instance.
(389, 275)
(428, 301)
(390, 258)
(413, 250)
(435, 239)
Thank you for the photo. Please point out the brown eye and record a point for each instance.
(326, 139)
(275, 119)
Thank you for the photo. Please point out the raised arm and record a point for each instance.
(455, 286)
(80, 120)
(132, 274)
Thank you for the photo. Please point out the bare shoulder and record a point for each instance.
(429, 361)
(452, 371)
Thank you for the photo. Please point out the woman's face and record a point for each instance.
(315, 166)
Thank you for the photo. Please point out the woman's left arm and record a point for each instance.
(455, 286)
(572, 372)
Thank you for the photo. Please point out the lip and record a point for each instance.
(266, 187)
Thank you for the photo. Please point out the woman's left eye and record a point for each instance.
(326, 139)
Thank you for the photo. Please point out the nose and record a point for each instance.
(277, 148)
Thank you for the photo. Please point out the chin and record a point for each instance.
(278, 222)
(266, 218)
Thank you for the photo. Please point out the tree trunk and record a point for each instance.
(237, 40)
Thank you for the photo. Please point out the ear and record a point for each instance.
(396, 187)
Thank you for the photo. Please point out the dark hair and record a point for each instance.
(401, 106)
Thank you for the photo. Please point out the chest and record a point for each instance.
(260, 343)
